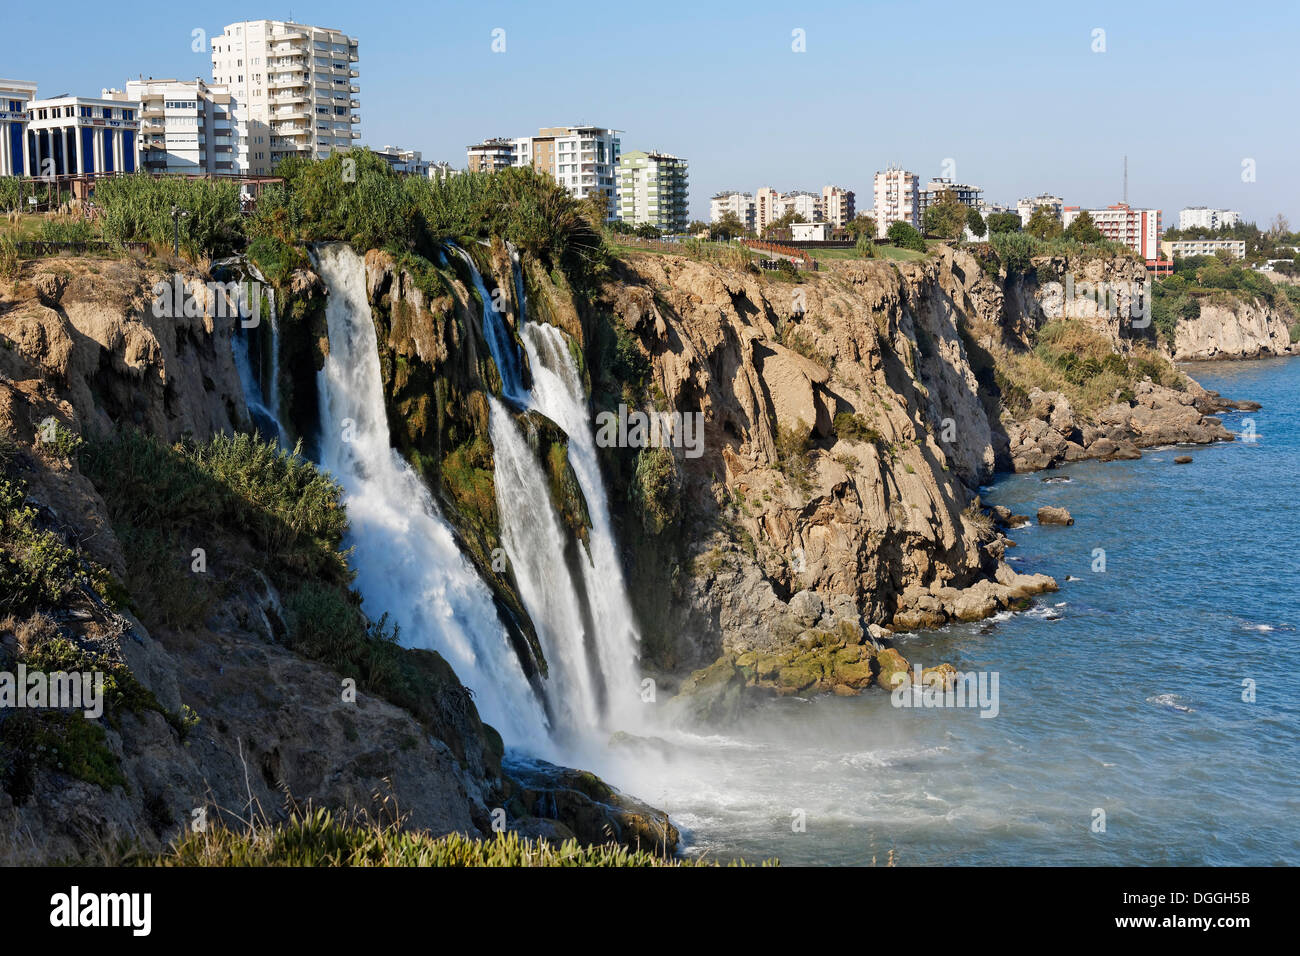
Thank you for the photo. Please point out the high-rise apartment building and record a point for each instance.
(186, 126)
(294, 88)
(898, 199)
(802, 203)
(766, 203)
(966, 194)
(838, 205)
(582, 159)
(740, 205)
(652, 189)
(14, 97)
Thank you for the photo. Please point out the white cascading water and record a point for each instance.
(407, 561)
(261, 398)
(498, 338)
(535, 542)
(558, 394)
(586, 627)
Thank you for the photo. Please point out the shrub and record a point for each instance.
(853, 427)
(656, 489)
(138, 208)
(905, 236)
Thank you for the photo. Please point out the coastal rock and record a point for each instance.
(1054, 515)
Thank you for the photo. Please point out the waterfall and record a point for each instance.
(406, 557)
(498, 337)
(575, 596)
(259, 377)
(558, 394)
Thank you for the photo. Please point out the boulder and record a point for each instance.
(1053, 515)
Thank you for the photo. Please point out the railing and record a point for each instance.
(36, 248)
(782, 249)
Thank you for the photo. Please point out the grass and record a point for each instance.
(323, 838)
(1072, 359)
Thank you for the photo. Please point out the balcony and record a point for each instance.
(291, 81)
(353, 73)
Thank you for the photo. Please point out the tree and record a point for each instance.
(975, 223)
(866, 245)
(861, 225)
(647, 231)
(696, 227)
(728, 227)
(946, 216)
(904, 236)
(1003, 222)
(781, 225)
(1083, 229)
(1043, 224)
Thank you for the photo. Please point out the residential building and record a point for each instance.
(766, 202)
(1139, 229)
(582, 159)
(405, 161)
(1185, 248)
(838, 205)
(491, 155)
(966, 195)
(186, 126)
(79, 135)
(652, 189)
(810, 231)
(802, 203)
(740, 205)
(442, 170)
(15, 95)
(1205, 218)
(294, 88)
(898, 199)
(1026, 207)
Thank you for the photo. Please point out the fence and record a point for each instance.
(36, 248)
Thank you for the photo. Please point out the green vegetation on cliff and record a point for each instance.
(322, 838)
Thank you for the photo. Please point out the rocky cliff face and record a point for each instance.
(1240, 330)
(839, 414)
(849, 418)
(216, 716)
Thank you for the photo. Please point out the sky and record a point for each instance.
(1018, 98)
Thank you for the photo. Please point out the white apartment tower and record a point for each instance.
(1026, 207)
(1194, 216)
(740, 205)
(186, 126)
(898, 199)
(838, 205)
(582, 159)
(294, 88)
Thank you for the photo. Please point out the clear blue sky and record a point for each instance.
(1012, 93)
